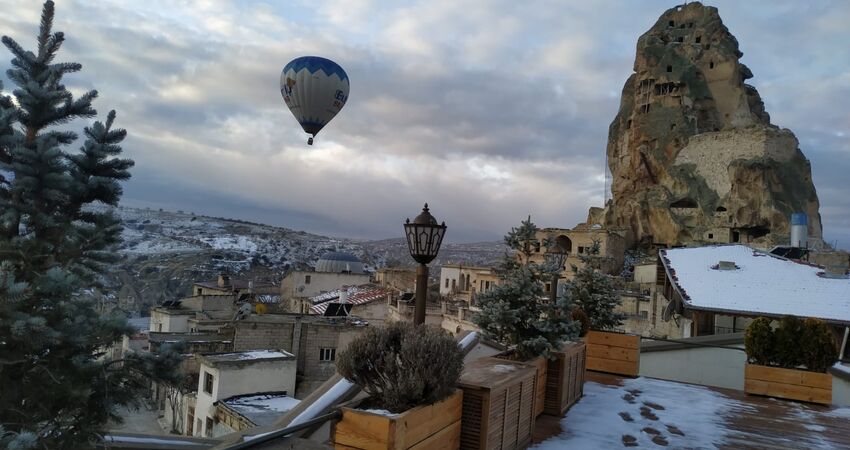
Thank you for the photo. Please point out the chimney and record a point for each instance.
(726, 265)
(223, 281)
(343, 295)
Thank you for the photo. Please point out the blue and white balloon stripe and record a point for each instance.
(315, 89)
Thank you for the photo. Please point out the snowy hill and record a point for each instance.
(165, 252)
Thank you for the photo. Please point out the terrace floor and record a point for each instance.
(620, 412)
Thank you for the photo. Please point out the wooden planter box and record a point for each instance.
(615, 353)
(540, 363)
(423, 427)
(565, 378)
(498, 404)
(789, 384)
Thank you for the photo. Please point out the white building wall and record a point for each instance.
(174, 323)
(452, 274)
(230, 380)
(705, 365)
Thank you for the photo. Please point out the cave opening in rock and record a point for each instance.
(684, 203)
(721, 209)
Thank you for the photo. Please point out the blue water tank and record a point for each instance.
(799, 218)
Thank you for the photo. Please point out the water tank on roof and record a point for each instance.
(339, 262)
(799, 229)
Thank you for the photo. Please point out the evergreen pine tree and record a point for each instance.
(56, 388)
(516, 312)
(594, 293)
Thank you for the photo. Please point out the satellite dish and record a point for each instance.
(315, 89)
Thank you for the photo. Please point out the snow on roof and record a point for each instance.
(253, 355)
(357, 295)
(761, 284)
(261, 408)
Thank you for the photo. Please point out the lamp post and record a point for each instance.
(424, 237)
(557, 256)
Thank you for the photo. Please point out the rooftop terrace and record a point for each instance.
(650, 413)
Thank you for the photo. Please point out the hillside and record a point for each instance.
(165, 252)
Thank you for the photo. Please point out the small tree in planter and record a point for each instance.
(788, 362)
(759, 341)
(410, 372)
(593, 293)
(819, 348)
(513, 313)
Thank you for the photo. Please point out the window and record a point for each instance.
(581, 249)
(327, 354)
(681, 39)
(537, 247)
(208, 431)
(208, 382)
(307, 279)
(643, 314)
(671, 23)
(447, 283)
(711, 65)
(487, 285)
(711, 235)
(548, 287)
(199, 292)
(669, 68)
(199, 427)
(699, 38)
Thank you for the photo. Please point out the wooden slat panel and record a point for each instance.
(613, 339)
(612, 366)
(788, 391)
(615, 353)
(448, 438)
(419, 423)
(365, 431)
(788, 376)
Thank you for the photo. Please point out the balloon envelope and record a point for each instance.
(315, 89)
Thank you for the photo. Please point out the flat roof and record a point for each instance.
(762, 284)
(262, 408)
(246, 356)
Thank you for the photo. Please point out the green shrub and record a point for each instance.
(819, 350)
(788, 350)
(401, 366)
(759, 341)
(580, 316)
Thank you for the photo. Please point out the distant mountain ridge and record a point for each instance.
(165, 252)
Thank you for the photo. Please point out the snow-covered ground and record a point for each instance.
(649, 413)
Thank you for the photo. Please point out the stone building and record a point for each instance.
(332, 271)
(314, 340)
(399, 279)
(577, 242)
(462, 282)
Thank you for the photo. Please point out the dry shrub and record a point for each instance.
(401, 366)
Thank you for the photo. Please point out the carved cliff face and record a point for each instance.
(692, 152)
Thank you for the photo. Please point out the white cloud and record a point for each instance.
(488, 110)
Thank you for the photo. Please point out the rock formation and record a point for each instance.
(692, 152)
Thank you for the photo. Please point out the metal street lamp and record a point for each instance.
(557, 256)
(424, 237)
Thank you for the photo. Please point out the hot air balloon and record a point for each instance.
(314, 89)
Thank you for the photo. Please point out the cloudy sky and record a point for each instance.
(488, 110)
